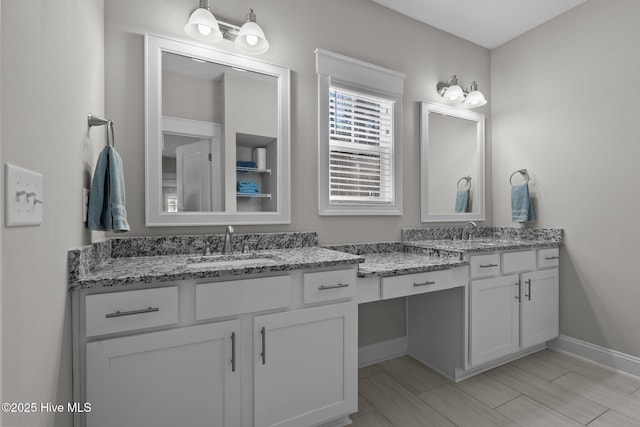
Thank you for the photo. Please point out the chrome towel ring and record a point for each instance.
(522, 172)
(468, 182)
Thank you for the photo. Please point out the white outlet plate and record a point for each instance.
(24, 199)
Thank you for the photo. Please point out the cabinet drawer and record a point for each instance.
(485, 265)
(129, 310)
(242, 296)
(329, 285)
(513, 262)
(548, 257)
(411, 284)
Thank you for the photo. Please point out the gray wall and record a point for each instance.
(564, 107)
(52, 77)
(295, 29)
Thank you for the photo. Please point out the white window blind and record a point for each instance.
(360, 147)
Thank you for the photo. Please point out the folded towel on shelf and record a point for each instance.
(248, 187)
(244, 164)
(521, 208)
(107, 197)
(462, 201)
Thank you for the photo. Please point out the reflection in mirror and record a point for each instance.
(452, 164)
(217, 137)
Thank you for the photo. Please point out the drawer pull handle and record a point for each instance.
(518, 291)
(488, 265)
(338, 286)
(551, 257)
(132, 312)
(233, 351)
(426, 283)
(263, 332)
(528, 282)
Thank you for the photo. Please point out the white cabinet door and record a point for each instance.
(305, 365)
(494, 318)
(179, 377)
(539, 307)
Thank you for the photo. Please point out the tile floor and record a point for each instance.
(545, 389)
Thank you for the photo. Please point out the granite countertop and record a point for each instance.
(388, 264)
(163, 268)
(481, 245)
(127, 261)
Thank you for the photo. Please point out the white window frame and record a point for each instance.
(342, 71)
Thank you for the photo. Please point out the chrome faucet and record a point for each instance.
(465, 228)
(228, 247)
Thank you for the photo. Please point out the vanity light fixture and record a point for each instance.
(452, 92)
(202, 25)
(251, 38)
(248, 38)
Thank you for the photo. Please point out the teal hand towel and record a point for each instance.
(107, 197)
(521, 208)
(462, 201)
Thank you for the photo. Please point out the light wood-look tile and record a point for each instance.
(396, 403)
(612, 418)
(364, 407)
(529, 413)
(618, 401)
(603, 374)
(463, 409)
(527, 393)
(573, 405)
(373, 419)
(540, 368)
(369, 371)
(412, 374)
(487, 390)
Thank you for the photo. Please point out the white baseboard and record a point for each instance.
(612, 358)
(379, 352)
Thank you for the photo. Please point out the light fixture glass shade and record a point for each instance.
(203, 26)
(475, 99)
(454, 93)
(251, 39)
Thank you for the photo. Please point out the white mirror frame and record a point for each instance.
(427, 108)
(154, 216)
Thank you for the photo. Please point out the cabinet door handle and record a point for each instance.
(426, 283)
(131, 312)
(551, 257)
(528, 295)
(518, 291)
(338, 286)
(488, 265)
(263, 332)
(233, 351)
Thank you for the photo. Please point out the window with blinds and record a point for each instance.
(360, 147)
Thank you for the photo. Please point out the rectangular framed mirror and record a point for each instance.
(452, 181)
(217, 137)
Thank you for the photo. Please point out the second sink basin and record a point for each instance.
(231, 260)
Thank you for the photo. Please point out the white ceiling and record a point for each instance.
(488, 23)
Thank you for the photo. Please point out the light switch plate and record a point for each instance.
(23, 196)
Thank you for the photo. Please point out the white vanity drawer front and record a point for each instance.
(548, 258)
(484, 265)
(128, 310)
(329, 285)
(419, 283)
(233, 297)
(513, 262)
